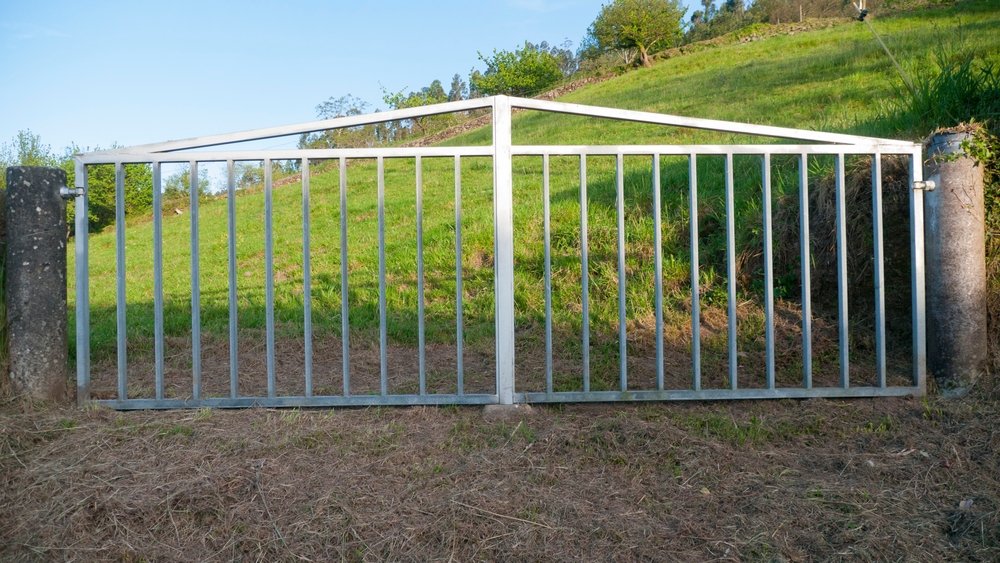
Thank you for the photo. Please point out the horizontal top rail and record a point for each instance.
(611, 150)
(487, 151)
(287, 154)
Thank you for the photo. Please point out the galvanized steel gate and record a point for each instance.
(807, 144)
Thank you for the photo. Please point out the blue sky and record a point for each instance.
(97, 73)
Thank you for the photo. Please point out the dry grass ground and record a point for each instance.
(860, 480)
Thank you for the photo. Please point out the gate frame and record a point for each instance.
(502, 151)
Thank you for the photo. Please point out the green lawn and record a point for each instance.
(831, 79)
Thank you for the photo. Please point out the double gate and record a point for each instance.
(802, 147)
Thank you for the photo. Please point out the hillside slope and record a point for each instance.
(831, 79)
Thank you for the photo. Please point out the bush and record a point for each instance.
(525, 72)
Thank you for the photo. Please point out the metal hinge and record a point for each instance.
(70, 193)
(927, 185)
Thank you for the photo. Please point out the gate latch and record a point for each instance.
(70, 193)
(927, 185)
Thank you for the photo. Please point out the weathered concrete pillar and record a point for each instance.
(956, 266)
(36, 282)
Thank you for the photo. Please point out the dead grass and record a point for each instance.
(862, 480)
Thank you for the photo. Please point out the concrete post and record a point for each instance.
(36, 282)
(955, 265)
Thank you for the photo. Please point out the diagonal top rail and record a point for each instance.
(698, 123)
(512, 102)
(308, 127)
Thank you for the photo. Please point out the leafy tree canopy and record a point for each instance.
(636, 25)
(433, 94)
(524, 72)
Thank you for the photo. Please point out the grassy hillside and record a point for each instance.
(832, 79)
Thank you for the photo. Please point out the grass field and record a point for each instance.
(832, 79)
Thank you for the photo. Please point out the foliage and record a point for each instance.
(964, 88)
(26, 149)
(178, 185)
(636, 28)
(569, 63)
(459, 89)
(990, 159)
(712, 22)
(347, 137)
(433, 94)
(524, 72)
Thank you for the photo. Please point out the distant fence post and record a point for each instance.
(956, 266)
(36, 282)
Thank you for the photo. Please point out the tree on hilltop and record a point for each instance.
(640, 25)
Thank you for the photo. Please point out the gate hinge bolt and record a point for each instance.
(927, 185)
(70, 193)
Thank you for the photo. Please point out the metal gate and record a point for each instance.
(801, 145)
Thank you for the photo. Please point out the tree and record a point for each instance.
(734, 7)
(709, 9)
(433, 94)
(568, 61)
(459, 90)
(178, 184)
(642, 25)
(348, 137)
(524, 72)
(27, 149)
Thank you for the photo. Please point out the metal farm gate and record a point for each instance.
(801, 145)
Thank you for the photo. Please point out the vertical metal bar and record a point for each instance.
(879, 270)
(917, 280)
(345, 324)
(306, 280)
(503, 247)
(658, 271)
(269, 274)
(620, 212)
(383, 334)
(842, 273)
(81, 242)
(548, 272)
(120, 278)
(459, 320)
(731, 272)
(584, 275)
(158, 278)
(420, 275)
(768, 272)
(805, 259)
(233, 303)
(195, 286)
(695, 272)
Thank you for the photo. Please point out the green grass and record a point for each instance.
(832, 79)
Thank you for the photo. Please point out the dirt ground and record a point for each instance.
(854, 480)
